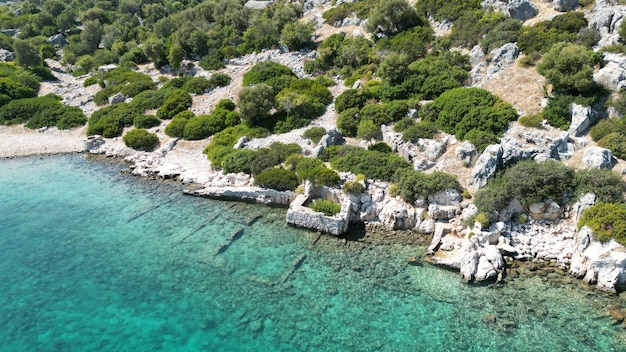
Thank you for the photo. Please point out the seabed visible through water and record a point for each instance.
(94, 260)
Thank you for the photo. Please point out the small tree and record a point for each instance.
(392, 16)
(25, 54)
(569, 68)
(255, 103)
(367, 130)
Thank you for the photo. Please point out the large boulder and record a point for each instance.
(599, 158)
(486, 165)
(583, 117)
(6, 56)
(606, 19)
(396, 215)
(465, 152)
(517, 9)
(565, 5)
(612, 75)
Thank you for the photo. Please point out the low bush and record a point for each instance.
(314, 134)
(176, 101)
(403, 124)
(225, 104)
(615, 141)
(531, 121)
(238, 161)
(308, 168)
(605, 184)
(605, 127)
(326, 177)
(414, 184)
(146, 121)
(423, 129)
(110, 121)
(328, 207)
(607, 221)
(41, 112)
(223, 142)
(121, 80)
(530, 181)
(380, 147)
(141, 139)
(350, 98)
(148, 100)
(373, 164)
(278, 179)
(176, 127)
(348, 122)
(351, 187)
(466, 111)
(265, 71)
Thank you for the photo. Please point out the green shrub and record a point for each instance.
(569, 68)
(607, 221)
(148, 100)
(176, 101)
(219, 80)
(176, 127)
(531, 121)
(283, 151)
(238, 161)
(314, 134)
(110, 121)
(146, 121)
(605, 184)
(121, 80)
(482, 219)
(373, 164)
(465, 111)
(419, 130)
(350, 98)
(308, 168)
(196, 85)
(351, 187)
(403, 124)
(348, 122)
(223, 142)
(203, 126)
(530, 181)
(615, 141)
(140, 139)
(448, 9)
(414, 184)
(605, 127)
(265, 71)
(226, 104)
(278, 179)
(393, 190)
(326, 177)
(41, 112)
(328, 207)
(380, 147)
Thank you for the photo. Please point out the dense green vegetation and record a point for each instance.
(414, 184)
(278, 179)
(606, 220)
(470, 113)
(373, 164)
(40, 112)
(141, 139)
(314, 134)
(120, 80)
(532, 182)
(328, 207)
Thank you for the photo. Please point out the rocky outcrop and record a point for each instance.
(332, 137)
(521, 10)
(527, 145)
(58, 39)
(565, 5)
(117, 98)
(501, 58)
(605, 19)
(599, 158)
(612, 75)
(546, 210)
(583, 117)
(6, 56)
(258, 5)
(465, 152)
(600, 264)
(423, 154)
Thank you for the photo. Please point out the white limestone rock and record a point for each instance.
(599, 158)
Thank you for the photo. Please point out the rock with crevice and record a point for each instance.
(521, 10)
(599, 158)
(565, 5)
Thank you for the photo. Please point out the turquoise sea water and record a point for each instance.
(92, 260)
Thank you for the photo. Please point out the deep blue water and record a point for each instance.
(92, 260)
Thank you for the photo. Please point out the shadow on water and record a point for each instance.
(356, 231)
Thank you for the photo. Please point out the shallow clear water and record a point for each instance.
(94, 260)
